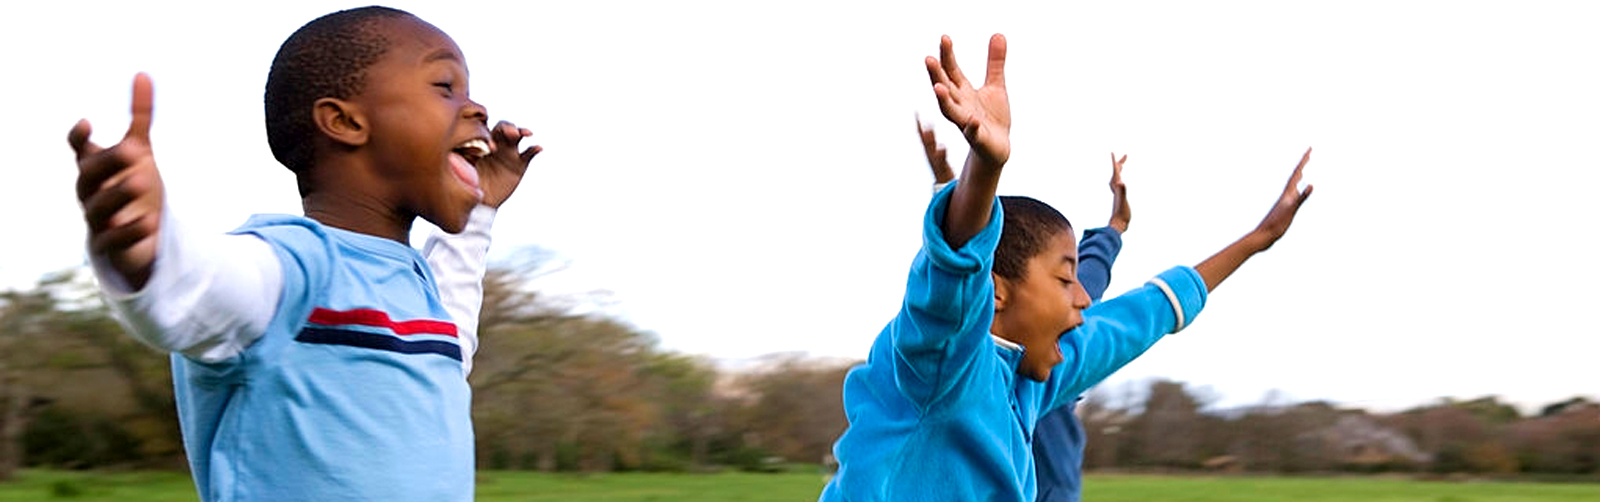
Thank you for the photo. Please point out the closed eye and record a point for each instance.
(448, 89)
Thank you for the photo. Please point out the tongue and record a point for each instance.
(464, 171)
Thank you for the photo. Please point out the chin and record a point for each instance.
(1037, 376)
(453, 222)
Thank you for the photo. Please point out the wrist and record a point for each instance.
(983, 165)
(1257, 241)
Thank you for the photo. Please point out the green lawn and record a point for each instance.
(1346, 489)
(523, 486)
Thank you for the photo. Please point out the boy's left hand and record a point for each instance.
(1277, 221)
(501, 172)
(1121, 212)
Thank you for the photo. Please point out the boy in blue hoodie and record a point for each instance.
(993, 333)
(1058, 441)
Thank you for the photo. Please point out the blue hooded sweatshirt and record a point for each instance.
(1058, 439)
(938, 411)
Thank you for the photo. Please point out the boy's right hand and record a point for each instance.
(121, 191)
(502, 170)
(983, 113)
(1121, 212)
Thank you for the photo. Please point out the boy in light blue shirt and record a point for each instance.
(313, 357)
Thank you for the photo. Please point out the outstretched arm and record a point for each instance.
(1221, 265)
(984, 115)
(205, 296)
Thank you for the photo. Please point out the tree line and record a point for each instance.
(559, 388)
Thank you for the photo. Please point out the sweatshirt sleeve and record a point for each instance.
(209, 296)
(459, 262)
(943, 325)
(1117, 331)
(1096, 253)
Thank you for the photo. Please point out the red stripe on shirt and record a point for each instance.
(379, 319)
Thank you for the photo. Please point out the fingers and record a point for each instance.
(997, 61)
(953, 110)
(96, 168)
(78, 137)
(100, 211)
(122, 238)
(143, 107)
(926, 133)
(947, 59)
(1294, 179)
(936, 74)
(527, 155)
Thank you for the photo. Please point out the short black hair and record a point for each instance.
(326, 58)
(1029, 224)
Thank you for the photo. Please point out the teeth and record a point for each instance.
(476, 147)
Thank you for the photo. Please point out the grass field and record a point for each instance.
(523, 486)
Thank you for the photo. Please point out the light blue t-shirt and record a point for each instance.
(938, 411)
(355, 392)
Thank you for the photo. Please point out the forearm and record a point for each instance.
(1221, 265)
(207, 296)
(458, 263)
(1117, 331)
(972, 201)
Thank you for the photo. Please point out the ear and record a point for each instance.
(341, 121)
(1002, 292)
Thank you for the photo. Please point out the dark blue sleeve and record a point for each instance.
(1096, 253)
(1058, 442)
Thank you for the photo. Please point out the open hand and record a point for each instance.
(1282, 214)
(501, 172)
(121, 191)
(983, 113)
(938, 159)
(1121, 212)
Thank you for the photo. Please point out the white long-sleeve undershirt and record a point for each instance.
(210, 296)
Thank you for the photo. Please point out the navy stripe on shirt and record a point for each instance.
(377, 341)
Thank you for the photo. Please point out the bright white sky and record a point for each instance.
(744, 176)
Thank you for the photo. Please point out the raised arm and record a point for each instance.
(1117, 331)
(205, 296)
(1221, 265)
(984, 115)
(1099, 248)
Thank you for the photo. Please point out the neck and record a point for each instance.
(359, 213)
(344, 195)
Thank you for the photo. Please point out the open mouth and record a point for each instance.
(473, 150)
(464, 160)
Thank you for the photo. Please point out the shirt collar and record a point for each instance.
(1006, 344)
